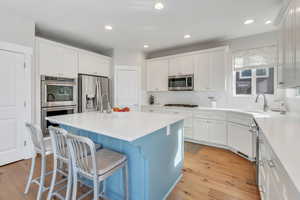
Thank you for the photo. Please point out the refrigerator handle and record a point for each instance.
(99, 96)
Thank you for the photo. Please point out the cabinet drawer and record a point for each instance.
(243, 119)
(217, 115)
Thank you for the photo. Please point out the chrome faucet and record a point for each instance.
(266, 107)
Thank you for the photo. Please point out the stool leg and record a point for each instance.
(42, 178)
(53, 178)
(125, 181)
(74, 192)
(68, 192)
(30, 174)
(96, 187)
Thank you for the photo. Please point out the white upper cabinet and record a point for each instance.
(210, 71)
(289, 46)
(182, 65)
(202, 72)
(157, 75)
(95, 64)
(56, 60)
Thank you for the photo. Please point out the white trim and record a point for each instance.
(78, 50)
(172, 187)
(223, 48)
(16, 48)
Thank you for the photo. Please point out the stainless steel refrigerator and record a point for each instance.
(93, 93)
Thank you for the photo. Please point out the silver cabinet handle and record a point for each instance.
(271, 164)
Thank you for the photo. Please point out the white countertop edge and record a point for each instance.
(115, 135)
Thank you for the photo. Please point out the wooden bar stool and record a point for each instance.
(97, 166)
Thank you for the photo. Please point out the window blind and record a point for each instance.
(264, 57)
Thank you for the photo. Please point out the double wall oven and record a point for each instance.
(58, 97)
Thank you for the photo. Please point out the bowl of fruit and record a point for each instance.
(117, 109)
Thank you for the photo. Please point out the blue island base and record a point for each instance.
(155, 162)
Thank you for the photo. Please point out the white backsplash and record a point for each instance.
(223, 99)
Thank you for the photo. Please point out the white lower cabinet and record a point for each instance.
(240, 139)
(274, 182)
(217, 132)
(212, 131)
(201, 130)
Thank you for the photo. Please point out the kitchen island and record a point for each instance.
(152, 142)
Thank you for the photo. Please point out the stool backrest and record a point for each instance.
(59, 142)
(83, 153)
(37, 137)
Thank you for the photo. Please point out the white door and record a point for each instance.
(127, 87)
(12, 110)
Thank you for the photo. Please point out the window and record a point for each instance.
(254, 81)
(298, 92)
(254, 71)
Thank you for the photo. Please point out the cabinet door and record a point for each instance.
(157, 75)
(240, 139)
(175, 66)
(49, 58)
(93, 64)
(201, 131)
(217, 73)
(55, 60)
(202, 72)
(188, 64)
(289, 75)
(217, 132)
(69, 65)
(297, 41)
(182, 65)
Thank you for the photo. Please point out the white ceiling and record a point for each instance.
(136, 23)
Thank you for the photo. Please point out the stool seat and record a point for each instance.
(107, 160)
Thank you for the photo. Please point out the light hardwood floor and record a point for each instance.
(216, 174)
(209, 174)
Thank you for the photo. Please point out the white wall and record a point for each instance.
(226, 98)
(17, 30)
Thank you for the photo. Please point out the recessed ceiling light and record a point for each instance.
(108, 27)
(146, 46)
(159, 5)
(187, 36)
(268, 22)
(249, 21)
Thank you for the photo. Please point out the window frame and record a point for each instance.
(253, 82)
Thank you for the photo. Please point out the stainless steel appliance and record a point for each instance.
(53, 111)
(58, 97)
(56, 91)
(181, 83)
(93, 93)
(181, 105)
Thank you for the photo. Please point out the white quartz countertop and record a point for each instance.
(281, 131)
(283, 134)
(127, 126)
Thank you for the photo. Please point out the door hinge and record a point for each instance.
(24, 65)
(25, 143)
(24, 103)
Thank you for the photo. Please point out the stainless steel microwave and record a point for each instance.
(181, 83)
(56, 91)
